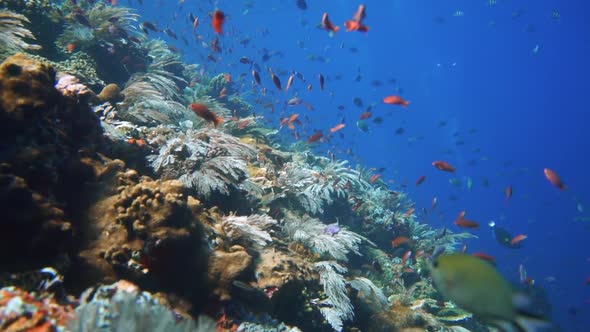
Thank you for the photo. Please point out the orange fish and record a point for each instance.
(352, 25)
(223, 93)
(284, 121)
(508, 192)
(327, 24)
(243, 124)
(466, 223)
(485, 257)
(204, 112)
(360, 14)
(275, 79)
(420, 180)
(398, 241)
(195, 24)
(293, 119)
(554, 179)
(315, 137)
(410, 212)
(396, 100)
(256, 76)
(374, 178)
(461, 215)
(356, 24)
(433, 204)
(227, 77)
(215, 45)
(518, 239)
(290, 82)
(365, 115)
(218, 20)
(71, 47)
(419, 254)
(443, 166)
(406, 256)
(337, 127)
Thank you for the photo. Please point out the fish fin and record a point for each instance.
(528, 323)
(526, 320)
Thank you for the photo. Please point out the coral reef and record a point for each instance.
(14, 34)
(122, 307)
(145, 232)
(46, 138)
(224, 220)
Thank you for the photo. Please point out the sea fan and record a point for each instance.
(305, 186)
(217, 174)
(150, 98)
(315, 182)
(313, 233)
(105, 24)
(207, 160)
(369, 291)
(106, 19)
(252, 228)
(14, 33)
(335, 288)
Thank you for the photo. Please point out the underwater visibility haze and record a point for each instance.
(294, 165)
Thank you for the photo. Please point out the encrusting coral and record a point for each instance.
(146, 232)
(47, 135)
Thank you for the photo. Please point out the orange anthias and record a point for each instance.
(443, 166)
(485, 257)
(420, 180)
(518, 239)
(328, 25)
(337, 127)
(398, 241)
(462, 222)
(352, 25)
(396, 100)
(218, 20)
(315, 137)
(554, 179)
(204, 112)
(374, 178)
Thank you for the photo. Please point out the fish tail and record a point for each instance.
(406, 103)
(218, 120)
(530, 323)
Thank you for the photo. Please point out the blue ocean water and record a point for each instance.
(497, 88)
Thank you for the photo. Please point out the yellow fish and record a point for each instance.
(476, 286)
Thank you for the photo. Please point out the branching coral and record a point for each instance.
(14, 34)
(314, 234)
(207, 160)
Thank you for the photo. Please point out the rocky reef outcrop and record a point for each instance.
(45, 138)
